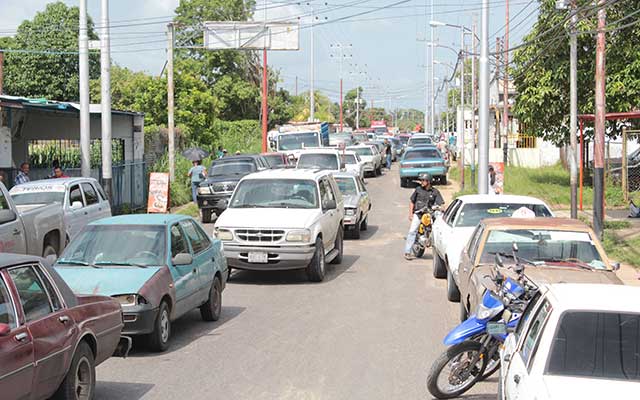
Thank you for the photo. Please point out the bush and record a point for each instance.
(243, 136)
(180, 189)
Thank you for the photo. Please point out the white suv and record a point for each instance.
(284, 219)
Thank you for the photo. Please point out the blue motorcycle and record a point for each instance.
(473, 354)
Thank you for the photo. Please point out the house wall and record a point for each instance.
(544, 155)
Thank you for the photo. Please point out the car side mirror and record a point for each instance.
(76, 205)
(4, 330)
(615, 265)
(330, 205)
(182, 259)
(7, 216)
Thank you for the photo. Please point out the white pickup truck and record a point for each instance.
(38, 231)
(284, 219)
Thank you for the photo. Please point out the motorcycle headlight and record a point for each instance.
(485, 313)
(349, 212)
(204, 190)
(129, 299)
(303, 235)
(223, 234)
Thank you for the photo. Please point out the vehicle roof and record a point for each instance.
(59, 181)
(319, 150)
(344, 175)
(536, 223)
(593, 296)
(288, 173)
(8, 259)
(240, 157)
(273, 153)
(505, 198)
(421, 135)
(422, 146)
(141, 219)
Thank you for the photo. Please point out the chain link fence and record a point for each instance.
(630, 164)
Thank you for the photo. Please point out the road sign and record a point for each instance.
(251, 36)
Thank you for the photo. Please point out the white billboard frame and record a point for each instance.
(235, 35)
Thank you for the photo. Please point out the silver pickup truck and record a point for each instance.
(38, 231)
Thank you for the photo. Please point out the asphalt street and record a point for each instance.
(369, 331)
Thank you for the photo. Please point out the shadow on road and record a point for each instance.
(364, 235)
(121, 390)
(186, 330)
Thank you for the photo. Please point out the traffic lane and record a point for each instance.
(370, 331)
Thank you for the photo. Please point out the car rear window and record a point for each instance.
(424, 153)
(323, 161)
(472, 213)
(594, 344)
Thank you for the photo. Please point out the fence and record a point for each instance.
(630, 165)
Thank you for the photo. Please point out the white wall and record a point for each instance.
(545, 155)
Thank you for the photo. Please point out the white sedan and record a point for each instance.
(453, 230)
(574, 341)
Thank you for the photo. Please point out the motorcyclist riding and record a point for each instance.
(424, 196)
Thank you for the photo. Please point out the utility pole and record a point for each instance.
(505, 96)
(461, 118)
(85, 122)
(105, 99)
(447, 129)
(432, 80)
(296, 86)
(483, 114)
(312, 100)
(474, 86)
(340, 47)
(265, 83)
(358, 107)
(573, 126)
(1, 74)
(600, 115)
(170, 102)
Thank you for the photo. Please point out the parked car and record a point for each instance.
(277, 160)
(452, 232)
(574, 341)
(558, 249)
(418, 139)
(419, 160)
(215, 191)
(158, 266)
(353, 163)
(284, 219)
(82, 200)
(51, 340)
(396, 146)
(38, 231)
(357, 203)
(325, 159)
(371, 157)
(340, 139)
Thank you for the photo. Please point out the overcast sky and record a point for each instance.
(383, 40)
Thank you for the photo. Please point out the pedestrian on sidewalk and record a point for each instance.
(425, 196)
(197, 174)
(388, 153)
(23, 174)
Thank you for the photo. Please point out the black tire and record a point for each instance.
(211, 310)
(364, 225)
(355, 232)
(159, 338)
(80, 381)
(379, 171)
(403, 182)
(453, 292)
(475, 371)
(418, 250)
(443, 179)
(316, 268)
(339, 245)
(464, 314)
(206, 216)
(439, 268)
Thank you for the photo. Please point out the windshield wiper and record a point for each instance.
(124, 264)
(573, 261)
(76, 262)
(249, 206)
(502, 254)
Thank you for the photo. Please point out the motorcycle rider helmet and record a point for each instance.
(424, 177)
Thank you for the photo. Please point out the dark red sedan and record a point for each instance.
(50, 339)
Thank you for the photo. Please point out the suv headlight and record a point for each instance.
(223, 234)
(302, 235)
(130, 299)
(204, 190)
(349, 212)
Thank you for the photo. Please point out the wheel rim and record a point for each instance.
(164, 326)
(84, 379)
(216, 299)
(458, 374)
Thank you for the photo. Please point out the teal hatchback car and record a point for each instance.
(422, 159)
(158, 266)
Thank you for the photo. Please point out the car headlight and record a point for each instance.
(303, 235)
(204, 190)
(130, 299)
(485, 313)
(349, 211)
(223, 234)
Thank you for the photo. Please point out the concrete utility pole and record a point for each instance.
(483, 114)
(312, 100)
(105, 99)
(461, 118)
(600, 115)
(358, 107)
(265, 90)
(170, 102)
(340, 48)
(505, 95)
(85, 122)
(1, 73)
(573, 126)
(432, 80)
(474, 87)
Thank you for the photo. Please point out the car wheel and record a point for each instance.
(379, 171)
(339, 245)
(355, 232)
(206, 216)
(453, 293)
(443, 179)
(463, 312)
(159, 338)
(439, 269)
(211, 310)
(316, 268)
(364, 225)
(80, 381)
(403, 182)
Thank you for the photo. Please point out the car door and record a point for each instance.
(12, 234)
(185, 277)
(467, 259)
(77, 217)
(439, 226)
(93, 206)
(52, 329)
(364, 195)
(16, 349)
(518, 381)
(328, 220)
(105, 207)
(203, 260)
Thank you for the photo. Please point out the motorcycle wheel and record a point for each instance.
(493, 364)
(453, 373)
(418, 250)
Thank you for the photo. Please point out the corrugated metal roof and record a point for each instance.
(25, 102)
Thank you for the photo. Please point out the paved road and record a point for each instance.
(369, 331)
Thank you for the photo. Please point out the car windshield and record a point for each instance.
(380, 129)
(593, 344)
(116, 245)
(363, 151)
(275, 193)
(360, 137)
(472, 213)
(274, 160)
(568, 248)
(323, 161)
(347, 185)
(421, 154)
(32, 198)
(348, 158)
(416, 141)
(231, 168)
(297, 141)
(403, 139)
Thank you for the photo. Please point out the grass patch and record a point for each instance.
(190, 209)
(625, 251)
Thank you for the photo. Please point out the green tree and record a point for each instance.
(349, 108)
(52, 75)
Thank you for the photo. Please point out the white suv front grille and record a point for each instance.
(259, 235)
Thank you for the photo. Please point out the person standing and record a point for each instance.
(23, 174)
(388, 153)
(58, 173)
(425, 196)
(197, 174)
(219, 153)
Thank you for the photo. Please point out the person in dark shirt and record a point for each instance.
(423, 196)
(388, 153)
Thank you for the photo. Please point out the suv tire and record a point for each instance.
(316, 268)
(453, 293)
(439, 269)
(206, 216)
(364, 225)
(339, 245)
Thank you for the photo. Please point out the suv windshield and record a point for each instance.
(105, 245)
(347, 185)
(348, 158)
(560, 248)
(421, 154)
(323, 161)
(363, 151)
(274, 160)
(297, 141)
(231, 168)
(272, 193)
(416, 141)
(472, 213)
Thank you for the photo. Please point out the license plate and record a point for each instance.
(258, 258)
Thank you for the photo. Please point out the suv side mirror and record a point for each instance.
(330, 205)
(7, 216)
(76, 205)
(182, 259)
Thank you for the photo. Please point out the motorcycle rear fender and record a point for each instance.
(469, 328)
